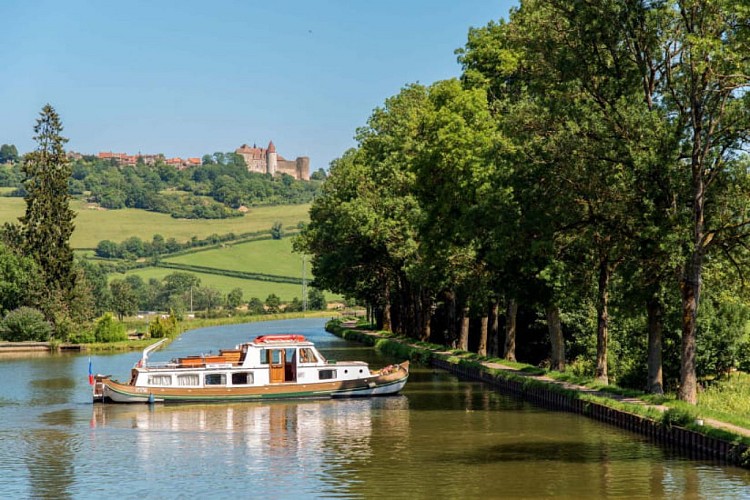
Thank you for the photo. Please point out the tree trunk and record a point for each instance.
(602, 322)
(463, 339)
(691, 287)
(426, 310)
(509, 352)
(482, 349)
(556, 338)
(450, 312)
(494, 332)
(655, 383)
(387, 323)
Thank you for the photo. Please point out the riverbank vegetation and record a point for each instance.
(579, 199)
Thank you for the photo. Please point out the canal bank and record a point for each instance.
(696, 437)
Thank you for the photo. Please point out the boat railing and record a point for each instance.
(161, 364)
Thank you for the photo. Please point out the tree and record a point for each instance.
(273, 303)
(206, 297)
(48, 222)
(108, 329)
(255, 306)
(108, 249)
(318, 175)
(19, 280)
(8, 153)
(294, 306)
(316, 300)
(25, 324)
(124, 298)
(234, 298)
(277, 230)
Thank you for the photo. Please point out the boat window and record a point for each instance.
(242, 378)
(307, 356)
(216, 379)
(271, 355)
(326, 374)
(188, 379)
(160, 380)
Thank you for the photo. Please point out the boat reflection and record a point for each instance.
(304, 429)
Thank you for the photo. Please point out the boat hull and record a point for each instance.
(376, 385)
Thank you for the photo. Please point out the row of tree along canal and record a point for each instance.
(586, 180)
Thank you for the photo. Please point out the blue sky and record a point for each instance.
(185, 78)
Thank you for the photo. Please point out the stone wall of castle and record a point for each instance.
(299, 168)
(257, 160)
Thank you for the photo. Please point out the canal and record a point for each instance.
(441, 438)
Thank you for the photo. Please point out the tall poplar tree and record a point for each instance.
(47, 224)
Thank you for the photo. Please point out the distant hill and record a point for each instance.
(94, 225)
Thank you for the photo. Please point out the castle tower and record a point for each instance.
(303, 168)
(271, 159)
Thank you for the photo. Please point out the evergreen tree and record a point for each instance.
(48, 223)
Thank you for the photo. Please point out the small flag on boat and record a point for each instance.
(91, 374)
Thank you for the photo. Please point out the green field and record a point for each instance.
(94, 225)
(265, 256)
(250, 288)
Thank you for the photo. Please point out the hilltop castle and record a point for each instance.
(268, 161)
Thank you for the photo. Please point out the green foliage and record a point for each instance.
(108, 329)
(730, 395)
(20, 283)
(25, 324)
(277, 231)
(679, 417)
(316, 300)
(724, 330)
(124, 298)
(83, 336)
(48, 222)
(294, 306)
(8, 153)
(255, 306)
(273, 304)
(234, 298)
(162, 327)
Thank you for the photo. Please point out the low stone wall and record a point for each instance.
(553, 396)
(696, 444)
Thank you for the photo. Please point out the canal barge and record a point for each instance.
(268, 367)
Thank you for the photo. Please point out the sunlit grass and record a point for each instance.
(264, 256)
(94, 225)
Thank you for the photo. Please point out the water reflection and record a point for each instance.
(49, 458)
(283, 444)
(442, 437)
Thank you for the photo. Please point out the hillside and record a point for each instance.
(266, 256)
(95, 225)
(250, 288)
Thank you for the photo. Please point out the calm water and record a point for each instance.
(441, 438)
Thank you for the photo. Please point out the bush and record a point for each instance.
(25, 324)
(255, 306)
(108, 329)
(160, 327)
(82, 337)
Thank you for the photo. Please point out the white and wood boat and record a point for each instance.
(269, 367)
